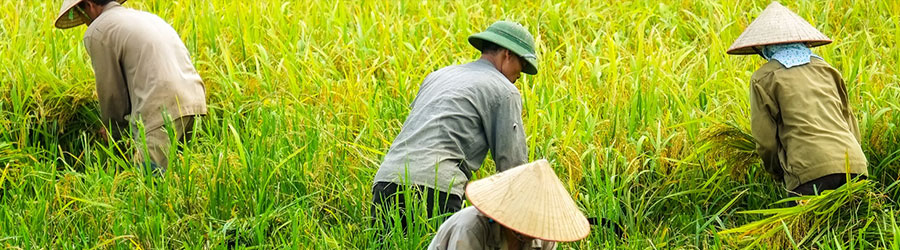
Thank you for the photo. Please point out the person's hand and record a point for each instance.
(103, 134)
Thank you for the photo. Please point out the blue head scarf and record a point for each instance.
(789, 54)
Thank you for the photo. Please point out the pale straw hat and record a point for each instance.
(777, 25)
(530, 200)
(68, 18)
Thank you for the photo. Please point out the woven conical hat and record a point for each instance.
(530, 200)
(64, 20)
(777, 25)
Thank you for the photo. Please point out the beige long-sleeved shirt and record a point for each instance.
(802, 122)
(142, 69)
(469, 229)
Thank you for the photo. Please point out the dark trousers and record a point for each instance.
(828, 182)
(156, 153)
(814, 187)
(387, 196)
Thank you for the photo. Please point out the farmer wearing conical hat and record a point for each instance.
(460, 113)
(805, 130)
(143, 74)
(526, 207)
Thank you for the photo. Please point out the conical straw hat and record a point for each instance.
(66, 20)
(777, 25)
(530, 200)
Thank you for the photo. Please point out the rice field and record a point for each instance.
(638, 108)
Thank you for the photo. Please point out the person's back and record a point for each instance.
(460, 113)
(143, 73)
(154, 63)
(470, 229)
(801, 118)
(459, 103)
(526, 207)
(816, 127)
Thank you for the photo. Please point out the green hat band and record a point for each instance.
(514, 39)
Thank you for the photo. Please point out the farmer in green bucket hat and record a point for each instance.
(460, 113)
(801, 118)
(143, 72)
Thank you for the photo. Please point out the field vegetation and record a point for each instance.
(637, 106)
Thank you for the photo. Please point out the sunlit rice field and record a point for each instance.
(638, 108)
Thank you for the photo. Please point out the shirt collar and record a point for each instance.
(106, 8)
(481, 62)
(485, 63)
(789, 55)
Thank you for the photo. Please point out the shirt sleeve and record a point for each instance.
(112, 90)
(852, 123)
(763, 112)
(460, 232)
(464, 239)
(506, 134)
(548, 245)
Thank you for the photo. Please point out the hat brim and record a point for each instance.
(480, 40)
(776, 25)
(64, 22)
(530, 200)
(748, 49)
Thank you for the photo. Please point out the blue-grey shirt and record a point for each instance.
(460, 113)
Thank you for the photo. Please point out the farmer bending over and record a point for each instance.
(526, 207)
(143, 73)
(804, 128)
(460, 113)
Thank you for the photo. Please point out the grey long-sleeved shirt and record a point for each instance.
(460, 113)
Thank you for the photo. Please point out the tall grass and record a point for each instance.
(636, 105)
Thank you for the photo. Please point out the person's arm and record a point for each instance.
(460, 231)
(506, 133)
(852, 123)
(549, 245)
(465, 239)
(112, 89)
(765, 131)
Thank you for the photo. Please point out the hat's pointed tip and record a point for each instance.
(775, 25)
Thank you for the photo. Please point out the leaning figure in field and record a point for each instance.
(143, 75)
(526, 207)
(459, 113)
(801, 119)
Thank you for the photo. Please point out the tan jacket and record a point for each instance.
(142, 68)
(469, 229)
(802, 122)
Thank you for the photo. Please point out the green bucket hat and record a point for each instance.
(511, 36)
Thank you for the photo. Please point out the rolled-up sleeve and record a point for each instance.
(112, 90)
(765, 131)
(506, 134)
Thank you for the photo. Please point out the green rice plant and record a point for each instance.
(844, 215)
(731, 144)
